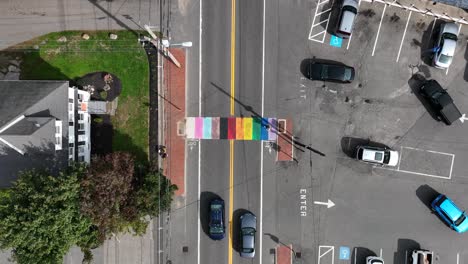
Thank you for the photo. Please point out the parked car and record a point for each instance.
(446, 43)
(348, 14)
(440, 101)
(248, 228)
(450, 213)
(328, 71)
(374, 260)
(216, 223)
(421, 256)
(377, 155)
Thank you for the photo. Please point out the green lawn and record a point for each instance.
(123, 57)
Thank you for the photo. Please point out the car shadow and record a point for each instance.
(205, 200)
(428, 41)
(415, 83)
(334, 16)
(349, 145)
(359, 255)
(236, 229)
(426, 195)
(404, 248)
(465, 74)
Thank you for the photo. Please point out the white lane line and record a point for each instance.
(451, 167)
(261, 144)
(355, 249)
(413, 172)
(458, 258)
(199, 114)
(313, 20)
(329, 9)
(380, 252)
(349, 40)
(432, 151)
(378, 31)
(326, 27)
(404, 34)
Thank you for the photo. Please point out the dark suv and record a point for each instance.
(440, 101)
(328, 71)
(216, 224)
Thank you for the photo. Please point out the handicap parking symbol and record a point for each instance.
(336, 41)
(344, 253)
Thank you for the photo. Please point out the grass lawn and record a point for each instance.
(123, 57)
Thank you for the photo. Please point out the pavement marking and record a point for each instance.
(261, 147)
(378, 31)
(380, 252)
(312, 37)
(458, 258)
(355, 253)
(344, 253)
(233, 53)
(330, 248)
(199, 114)
(349, 40)
(420, 173)
(336, 41)
(231, 196)
(406, 256)
(404, 34)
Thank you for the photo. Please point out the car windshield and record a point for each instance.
(447, 35)
(247, 250)
(386, 157)
(350, 8)
(347, 74)
(460, 220)
(445, 59)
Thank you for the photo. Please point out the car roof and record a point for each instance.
(450, 209)
(448, 48)
(248, 220)
(369, 154)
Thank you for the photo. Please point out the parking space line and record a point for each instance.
(404, 34)
(380, 252)
(313, 20)
(326, 27)
(355, 253)
(349, 40)
(432, 151)
(399, 158)
(433, 25)
(312, 38)
(378, 31)
(330, 248)
(458, 258)
(329, 9)
(406, 256)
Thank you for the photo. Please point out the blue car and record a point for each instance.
(450, 213)
(216, 224)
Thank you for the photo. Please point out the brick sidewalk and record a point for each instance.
(174, 112)
(283, 255)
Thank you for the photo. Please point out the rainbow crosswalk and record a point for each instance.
(237, 128)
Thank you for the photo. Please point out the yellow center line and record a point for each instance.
(231, 142)
(233, 53)
(231, 195)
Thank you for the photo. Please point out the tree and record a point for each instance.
(106, 191)
(154, 194)
(40, 217)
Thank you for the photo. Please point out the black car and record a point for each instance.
(216, 223)
(328, 71)
(440, 101)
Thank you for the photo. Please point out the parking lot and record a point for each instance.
(380, 210)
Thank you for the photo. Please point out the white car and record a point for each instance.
(375, 155)
(446, 43)
(374, 260)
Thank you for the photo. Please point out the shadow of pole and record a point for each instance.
(287, 135)
(118, 21)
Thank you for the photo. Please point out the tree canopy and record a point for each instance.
(40, 217)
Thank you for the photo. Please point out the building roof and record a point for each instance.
(28, 110)
(458, 3)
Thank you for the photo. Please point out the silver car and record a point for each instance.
(445, 45)
(248, 228)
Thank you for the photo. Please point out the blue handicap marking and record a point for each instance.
(344, 253)
(336, 41)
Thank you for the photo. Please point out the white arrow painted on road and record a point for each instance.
(463, 118)
(329, 204)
